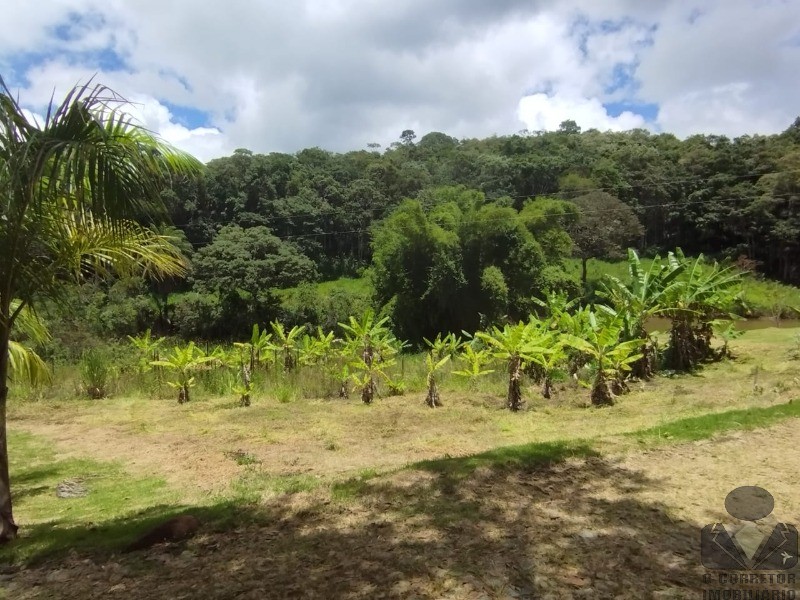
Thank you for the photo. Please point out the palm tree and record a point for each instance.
(74, 191)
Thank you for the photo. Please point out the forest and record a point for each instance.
(490, 221)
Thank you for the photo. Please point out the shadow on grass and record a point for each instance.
(36, 475)
(51, 540)
(519, 522)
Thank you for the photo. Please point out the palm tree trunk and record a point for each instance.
(8, 529)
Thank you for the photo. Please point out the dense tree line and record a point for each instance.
(710, 194)
(486, 221)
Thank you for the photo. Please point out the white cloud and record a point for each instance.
(546, 112)
(724, 66)
(203, 142)
(280, 76)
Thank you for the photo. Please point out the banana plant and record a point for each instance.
(548, 363)
(286, 342)
(703, 294)
(316, 349)
(642, 297)
(727, 331)
(440, 351)
(183, 361)
(517, 345)
(240, 359)
(475, 362)
(148, 347)
(341, 373)
(612, 358)
(374, 348)
(257, 347)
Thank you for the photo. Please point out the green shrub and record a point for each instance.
(96, 372)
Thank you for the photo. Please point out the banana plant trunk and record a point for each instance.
(514, 382)
(683, 351)
(368, 391)
(245, 399)
(432, 398)
(601, 393)
(547, 387)
(8, 529)
(645, 367)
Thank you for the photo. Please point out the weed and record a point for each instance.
(242, 458)
(285, 392)
(794, 350)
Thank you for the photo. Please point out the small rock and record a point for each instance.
(115, 578)
(58, 576)
(71, 488)
(587, 535)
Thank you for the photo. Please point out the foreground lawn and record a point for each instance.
(142, 458)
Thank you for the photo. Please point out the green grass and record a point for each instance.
(355, 286)
(361, 286)
(771, 298)
(120, 507)
(255, 484)
(62, 523)
(706, 426)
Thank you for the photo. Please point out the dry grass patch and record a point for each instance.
(334, 439)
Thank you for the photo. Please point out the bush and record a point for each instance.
(96, 371)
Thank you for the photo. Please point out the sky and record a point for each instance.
(279, 76)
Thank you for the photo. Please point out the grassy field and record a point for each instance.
(143, 457)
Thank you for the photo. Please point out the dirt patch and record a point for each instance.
(617, 526)
(183, 461)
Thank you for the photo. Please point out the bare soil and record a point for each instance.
(617, 525)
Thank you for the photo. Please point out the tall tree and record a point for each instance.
(73, 192)
(605, 226)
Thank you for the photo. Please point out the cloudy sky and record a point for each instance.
(279, 75)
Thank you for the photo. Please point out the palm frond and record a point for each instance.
(26, 365)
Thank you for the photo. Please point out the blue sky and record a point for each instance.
(338, 74)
